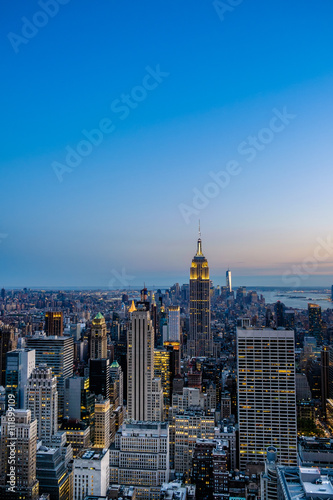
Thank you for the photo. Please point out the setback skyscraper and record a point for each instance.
(200, 341)
(144, 398)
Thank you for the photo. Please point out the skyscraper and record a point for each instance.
(266, 395)
(117, 384)
(102, 423)
(173, 324)
(42, 401)
(200, 341)
(99, 377)
(98, 346)
(228, 280)
(57, 353)
(315, 323)
(7, 343)
(54, 323)
(18, 456)
(20, 364)
(140, 369)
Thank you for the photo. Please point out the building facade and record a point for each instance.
(266, 395)
(200, 341)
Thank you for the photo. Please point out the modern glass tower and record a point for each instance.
(200, 341)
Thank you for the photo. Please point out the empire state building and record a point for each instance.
(200, 341)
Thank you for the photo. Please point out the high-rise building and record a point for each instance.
(200, 341)
(140, 355)
(79, 401)
(20, 364)
(91, 474)
(18, 456)
(42, 401)
(116, 384)
(279, 312)
(102, 423)
(57, 353)
(162, 371)
(53, 474)
(140, 457)
(191, 425)
(54, 323)
(315, 322)
(98, 345)
(173, 324)
(266, 395)
(325, 376)
(228, 281)
(7, 343)
(99, 377)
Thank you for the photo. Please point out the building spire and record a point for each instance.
(199, 246)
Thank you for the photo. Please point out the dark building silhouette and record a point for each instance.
(54, 323)
(99, 377)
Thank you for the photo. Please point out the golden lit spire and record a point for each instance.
(132, 308)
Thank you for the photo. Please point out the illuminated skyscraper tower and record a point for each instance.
(200, 341)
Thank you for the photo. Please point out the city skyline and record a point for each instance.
(201, 95)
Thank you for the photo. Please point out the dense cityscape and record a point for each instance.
(198, 391)
(166, 250)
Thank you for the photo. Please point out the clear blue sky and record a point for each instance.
(118, 211)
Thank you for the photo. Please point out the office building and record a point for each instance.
(98, 342)
(200, 340)
(53, 475)
(7, 343)
(140, 457)
(173, 324)
(91, 474)
(162, 371)
(42, 401)
(77, 435)
(57, 353)
(190, 425)
(116, 385)
(20, 364)
(18, 456)
(140, 355)
(99, 377)
(315, 322)
(79, 401)
(266, 395)
(102, 433)
(54, 324)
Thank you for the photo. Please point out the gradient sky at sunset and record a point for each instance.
(117, 215)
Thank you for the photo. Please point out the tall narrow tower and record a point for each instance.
(228, 280)
(140, 369)
(200, 341)
(98, 348)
